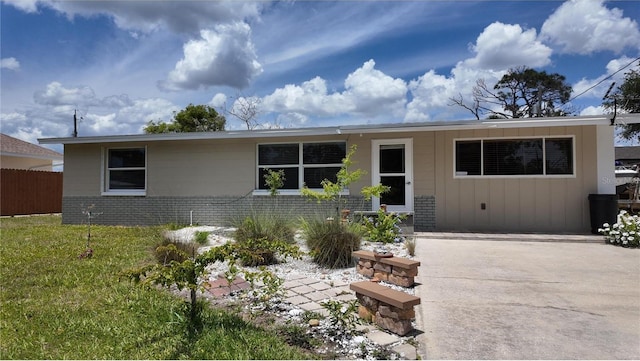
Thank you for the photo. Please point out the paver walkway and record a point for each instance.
(307, 294)
(220, 287)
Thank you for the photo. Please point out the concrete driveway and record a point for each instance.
(514, 299)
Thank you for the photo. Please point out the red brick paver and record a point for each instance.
(220, 287)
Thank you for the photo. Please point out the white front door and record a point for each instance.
(393, 166)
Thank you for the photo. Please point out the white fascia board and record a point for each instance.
(490, 124)
(356, 129)
(242, 134)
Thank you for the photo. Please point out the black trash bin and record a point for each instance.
(603, 208)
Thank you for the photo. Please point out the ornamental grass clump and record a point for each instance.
(331, 242)
(625, 232)
(260, 237)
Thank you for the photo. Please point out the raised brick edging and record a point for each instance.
(390, 309)
(396, 270)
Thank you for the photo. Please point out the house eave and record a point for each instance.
(354, 129)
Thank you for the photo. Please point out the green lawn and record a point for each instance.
(57, 306)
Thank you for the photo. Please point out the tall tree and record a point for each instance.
(193, 118)
(521, 93)
(627, 99)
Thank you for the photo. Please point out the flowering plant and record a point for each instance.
(385, 227)
(625, 232)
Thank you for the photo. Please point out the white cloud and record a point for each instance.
(147, 16)
(373, 93)
(497, 49)
(502, 46)
(52, 113)
(593, 110)
(10, 63)
(29, 6)
(311, 97)
(368, 92)
(142, 111)
(56, 94)
(218, 100)
(223, 56)
(429, 91)
(587, 26)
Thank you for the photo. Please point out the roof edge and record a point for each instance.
(355, 129)
(23, 155)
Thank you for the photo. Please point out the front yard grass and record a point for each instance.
(54, 305)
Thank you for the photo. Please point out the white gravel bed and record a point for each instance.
(290, 268)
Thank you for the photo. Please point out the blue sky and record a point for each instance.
(306, 63)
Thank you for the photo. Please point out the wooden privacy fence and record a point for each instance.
(30, 192)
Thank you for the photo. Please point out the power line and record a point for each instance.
(605, 79)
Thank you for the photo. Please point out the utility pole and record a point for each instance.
(75, 124)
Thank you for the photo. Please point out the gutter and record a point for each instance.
(354, 129)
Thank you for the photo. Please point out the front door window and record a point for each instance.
(392, 167)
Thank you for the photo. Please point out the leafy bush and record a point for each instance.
(625, 232)
(384, 227)
(331, 242)
(252, 252)
(263, 251)
(343, 316)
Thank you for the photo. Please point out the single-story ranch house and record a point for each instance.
(524, 175)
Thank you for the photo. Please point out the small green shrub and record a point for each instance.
(384, 227)
(201, 237)
(299, 336)
(253, 252)
(331, 242)
(342, 315)
(274, 180)
(270, 287)
(174, 226)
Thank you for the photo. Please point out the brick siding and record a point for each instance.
(132, 211)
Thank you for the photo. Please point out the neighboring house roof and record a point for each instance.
(355, 129)
(14, 147)
(628, 153)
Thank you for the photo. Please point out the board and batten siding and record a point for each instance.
(522, 204)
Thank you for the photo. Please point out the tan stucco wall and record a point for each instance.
(9, 162)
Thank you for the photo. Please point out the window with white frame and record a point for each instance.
(303, 163)
(126, 170)
(535, 156)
